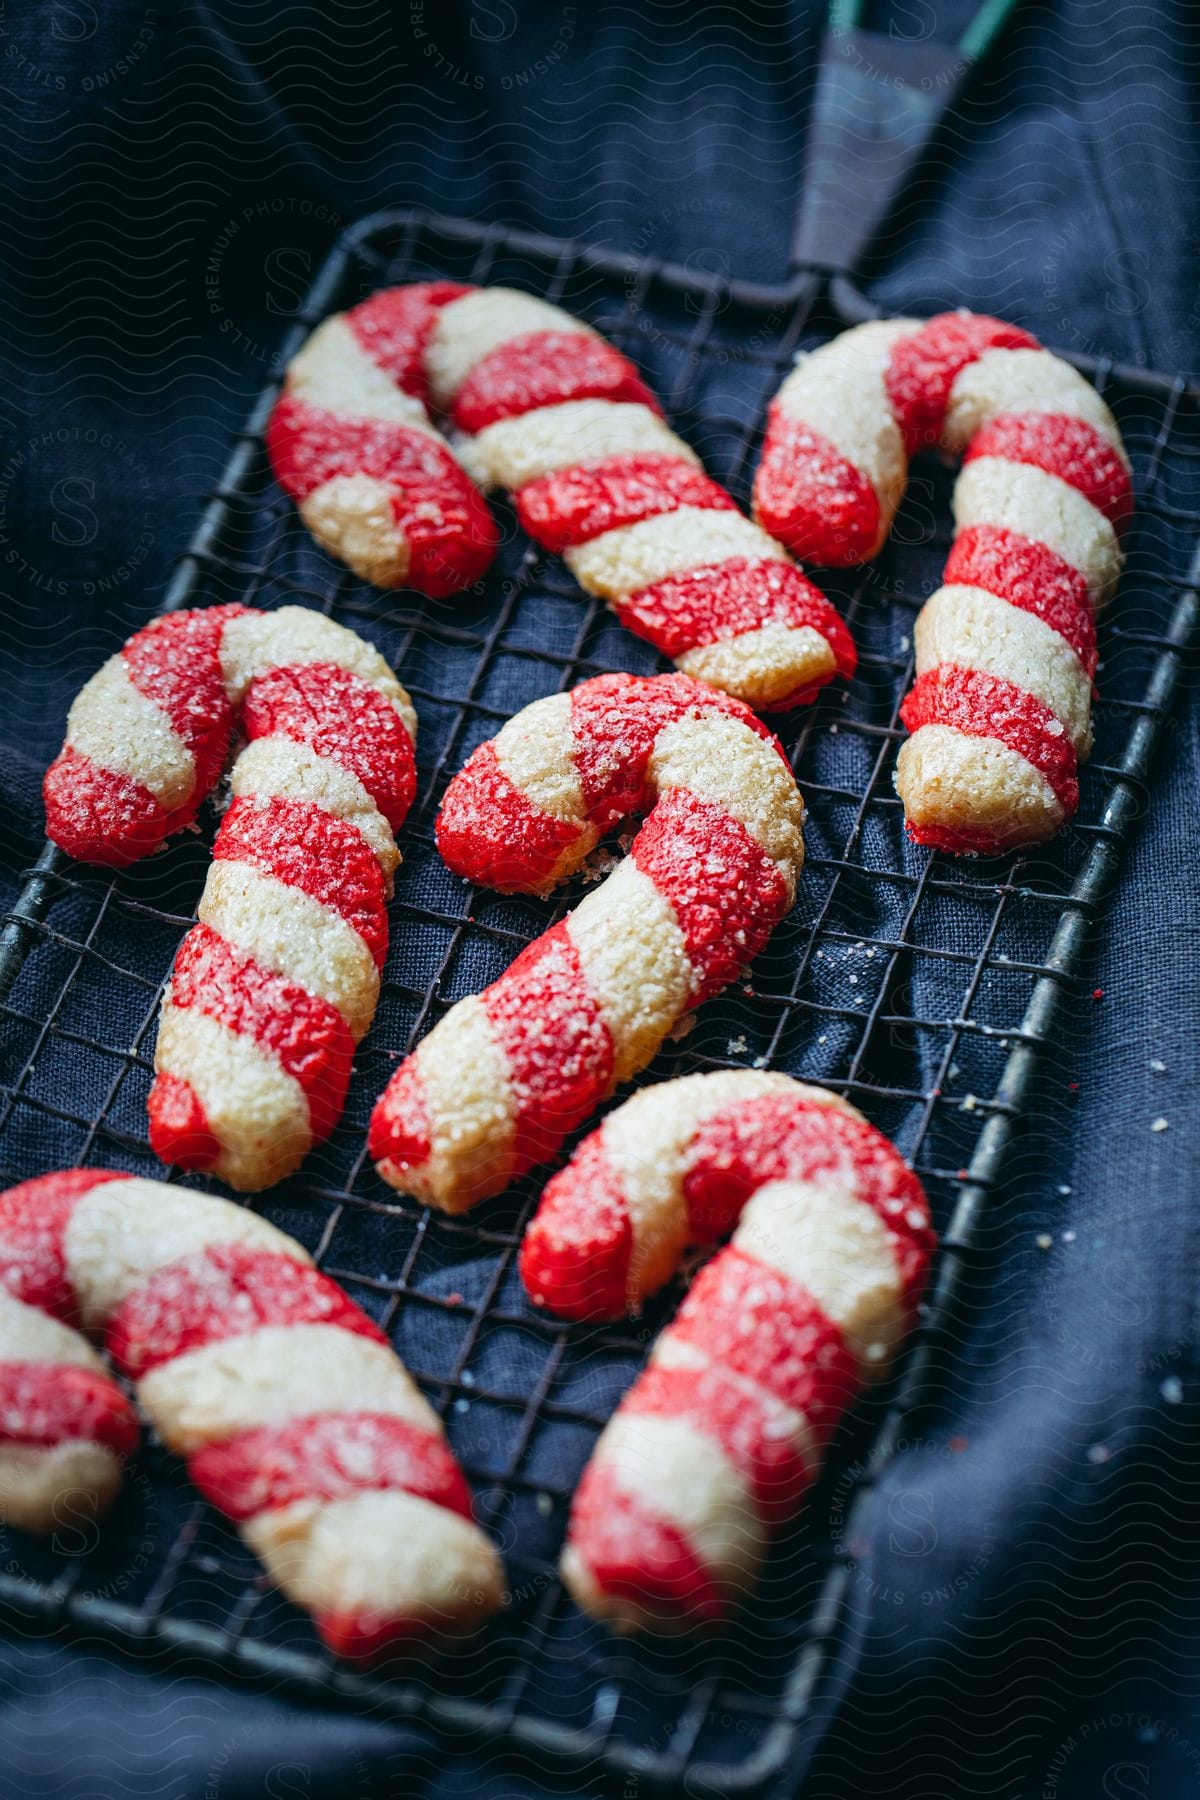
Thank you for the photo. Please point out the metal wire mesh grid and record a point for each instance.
(919, 987)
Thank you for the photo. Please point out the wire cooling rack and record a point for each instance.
(923, 988)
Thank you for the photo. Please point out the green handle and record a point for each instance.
(985, 28)
(976, 40)
(844, 15)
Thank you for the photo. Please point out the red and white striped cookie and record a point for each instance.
(1006, 648)
(546, 409)
(351, 441)
(613, 1225)
(714, 1446)
(65, 1426)
(295, 1416)
(278, 982)
(507, 1074)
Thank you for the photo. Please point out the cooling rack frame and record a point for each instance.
(698, 307)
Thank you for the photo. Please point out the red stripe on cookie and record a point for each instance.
(102, 817)
(310, 445)
(635, 1554)
(339, 715)
(307, 848)
(557, 1047)
(575, 505)
(451, 534)
(922, 369)
(400, 1130)
(393, 328)
(225, 1291)
(725, 891)
(179, 1131)
(1067, 447)
(366, 1637)
(615, 721)
(753, 1432)
(785, 1137)
(451, 537)
(722, 600)
(46, 1404)
(304, 1033)
(546, 368)
(576, 1253)
(751, 1319)
(810, 497)
(1030, 575)
(328, 1456)
(33, 1218)
(982, 705)
(176, 663)
(490, 832)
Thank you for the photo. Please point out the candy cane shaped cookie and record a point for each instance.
(544, 408)
(507, 1074)
(714, 1446)
(65, 1426)
(562, 420)
(612, 1226)
(277, 983)
(352, 443)
(296, 1418)
(1000, 714)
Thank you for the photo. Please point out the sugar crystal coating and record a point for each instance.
(295, 1415)
(506, 1075)
(351, 441)
(716, 1443)
(543, 407)
(1040, 502)
(278, 981)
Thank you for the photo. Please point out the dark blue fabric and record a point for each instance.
(1027, 1614)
